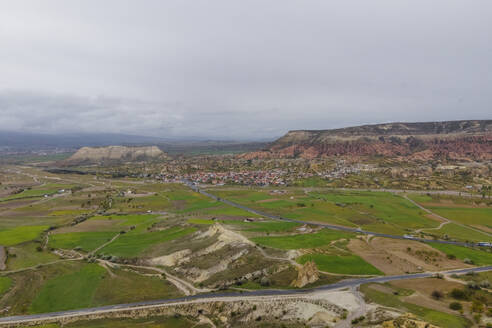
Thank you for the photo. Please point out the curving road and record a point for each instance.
(224, 296)
(323, 225)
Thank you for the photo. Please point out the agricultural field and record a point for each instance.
(149, 322)
(312, 240)
(111, 241)
(477, 256)
(342, 264)
(372, 211)
(395, 297)
(474, 213)
(17, 235)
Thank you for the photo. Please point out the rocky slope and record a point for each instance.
(451, 139)
(115, 153)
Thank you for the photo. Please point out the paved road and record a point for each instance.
(225, 295)
(324, 225)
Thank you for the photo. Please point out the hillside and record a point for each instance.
(470, 139)
(115, 153)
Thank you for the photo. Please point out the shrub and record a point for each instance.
(485, 284)
(472, 285)
(357, 320)
(459, 294)
(455, 306)
(437, 295)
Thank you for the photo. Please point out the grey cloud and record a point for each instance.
(240, 69)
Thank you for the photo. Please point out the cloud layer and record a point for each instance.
(240, 69)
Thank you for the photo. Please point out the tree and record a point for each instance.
(437, 295)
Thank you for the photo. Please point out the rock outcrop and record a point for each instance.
(307, 274)
(115, 153)
(451, 139)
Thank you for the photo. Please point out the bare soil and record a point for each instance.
(392, 256)
(87, 226)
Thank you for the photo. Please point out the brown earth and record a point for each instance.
(89, 225)
(392, 257)
(427, 285)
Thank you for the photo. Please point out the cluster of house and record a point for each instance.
(260, 178)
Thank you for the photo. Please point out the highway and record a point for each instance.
(223, 296)
(324, 225)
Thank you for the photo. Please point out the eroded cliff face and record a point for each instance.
(115, 153)
(307, 274)
(454, 140)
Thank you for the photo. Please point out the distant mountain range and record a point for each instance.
(470, 139)
(12, 142)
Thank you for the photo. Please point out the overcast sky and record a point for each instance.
(240, 69)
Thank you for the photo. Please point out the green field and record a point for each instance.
(86, 241)
(5, 283)
(321, 238)
(136, 242)
(266, 226)
(69, 291)
(201, 221)
(373, 211)
(20, 234)
(461, 233)
(343, 264)
(470, 216)
(91, 285)
(146, 322)
(460, 210)
(140, 221)
(438, 318)
(477, 256)
(48, 189)
(26, 255)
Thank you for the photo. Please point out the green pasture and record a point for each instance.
(27, 255)
(461, 233)
(470, 216)
(5, 283)
(69, 291)
(478, 257)
(310, 240)
(87, 241)
(344, 264)
(438, 318)
(146, 322)
(20, 234)
(265, 226)
(38, 191)
(376, 211)
(136, 242)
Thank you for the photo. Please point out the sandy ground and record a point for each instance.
(392, 257)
